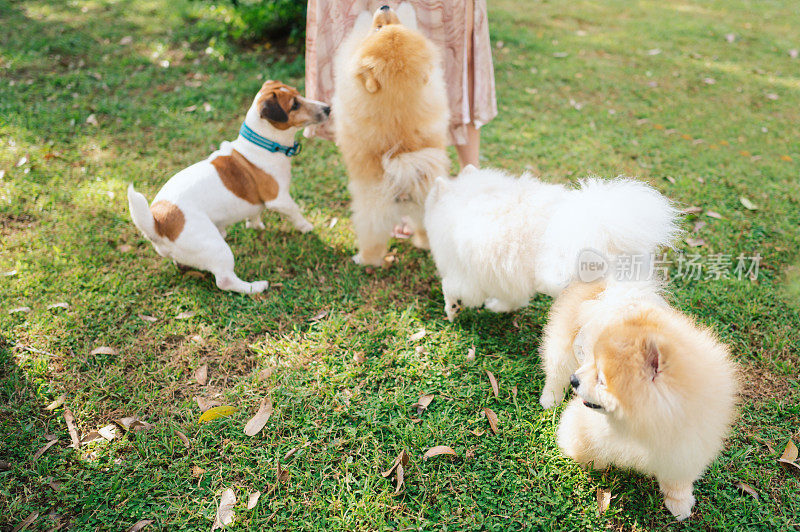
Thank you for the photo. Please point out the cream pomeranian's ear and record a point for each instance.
(366, 73)
(653, 357)
(407, 15)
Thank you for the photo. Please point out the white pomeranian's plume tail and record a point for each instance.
(622, 220)
(409, 175)
(141, 214)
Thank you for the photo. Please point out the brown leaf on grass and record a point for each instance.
(419, 335)
(698, 226)
(5, 465)
(252, 499)
(281, 473)
(493, 382)
(147, 318)
(258, 421)
(25, 523)
(492, 418)
(422, 403)
(69, 419)
(19, 309)
(603, 500)
(103, 350)
(108, 432)
(60, 304)
(265, 373)
(206, 404)
(713, 214)
(181, 436)
(138, 525)
(695, 242)
(133, 424)
(185, 315)
(692, 210)
(201, 375)
(437, 450)
(749, 205)
(514, 392)
(359, 358)
(478, 432)
(671, 179)
(399, 478)
(401, 459)
(41, 451)
(197, 471)
(318, 316)
(747, 488)
(225, 510)
(787, 459)
(90, 437)
(58, 402)
(124, 248)
(470, 354)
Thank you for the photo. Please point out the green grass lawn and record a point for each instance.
(701, 99)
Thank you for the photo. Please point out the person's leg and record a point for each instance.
(469, 153)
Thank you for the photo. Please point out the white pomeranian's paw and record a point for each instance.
(496, 305)
(680, 508)
(358, 258)
(451, 308)
(547, 399)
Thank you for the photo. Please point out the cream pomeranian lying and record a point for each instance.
(390, 117)
(655, 392)
(498, 240)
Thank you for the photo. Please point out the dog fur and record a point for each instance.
(188, 217)
(497, 239)
(391, 120)
(655, 392)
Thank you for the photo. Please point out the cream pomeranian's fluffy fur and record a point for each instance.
(390, 118)
(655, 392)
(497, 239)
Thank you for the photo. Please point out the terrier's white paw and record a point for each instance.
(680, 508)
(256, 287)
(305, 226)
(254, 224)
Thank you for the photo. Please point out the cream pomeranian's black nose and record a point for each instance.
(574, 382)
(385, 8)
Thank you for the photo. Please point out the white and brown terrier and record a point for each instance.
(188, 217)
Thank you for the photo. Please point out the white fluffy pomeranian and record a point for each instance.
(655, 392)
(497, 239)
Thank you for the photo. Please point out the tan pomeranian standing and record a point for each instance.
(655, 392)
(390, 118)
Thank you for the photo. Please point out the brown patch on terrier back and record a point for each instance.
(244, 179)
(169, 219)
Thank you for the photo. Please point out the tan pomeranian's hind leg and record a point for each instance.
(678, 498)
(373, 221)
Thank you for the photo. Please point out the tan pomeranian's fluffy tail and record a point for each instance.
(409, 175)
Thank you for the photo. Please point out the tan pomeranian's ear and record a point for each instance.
(366, 73)
(653, 357)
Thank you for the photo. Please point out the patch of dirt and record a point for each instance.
(11, 223)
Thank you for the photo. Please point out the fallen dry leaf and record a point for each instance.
(359, 358)
(58, 402)
(138, 525)
(216, 413)
(402, 458)
(749, 205)
(265, 373)
(692, 210)
(671, 179)
(436, 451)
(124, 42)
(124, 248)
(147, 318)
(258, 421)
(19, 309)
(318, 316)
(181, 436)
(419, 335)
(252, 499)
(514, 392)
(422, 404)
(713, 214)
(60, 304)
(41, 451)
(603, 500)
(399, 478)
(493, 382)
(492, 418)
(201, 375)
(206, 404)
(470, 354)
(22, 160)
(91, 119)
(333, 223)
(225, 510)
(747, 488)
(91, 436)
(281, 473)
(478, 432)
(185, 315)
(25, 523)
(103, 350)
(197, 471)
(108, 432)
(695, 242)
(69, 419)
(5, 465)
(787, 459)
(133, 424)
(698, 226)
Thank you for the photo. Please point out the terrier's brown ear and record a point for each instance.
(366, 73)
(271, 110)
